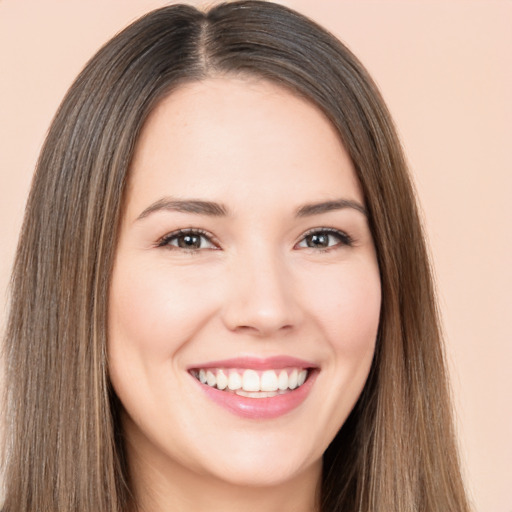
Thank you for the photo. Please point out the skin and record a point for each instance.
(253, 287)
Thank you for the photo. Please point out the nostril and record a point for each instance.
(262, 329)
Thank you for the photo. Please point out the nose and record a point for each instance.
(260, 299)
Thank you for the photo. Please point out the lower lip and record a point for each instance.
(260, 408)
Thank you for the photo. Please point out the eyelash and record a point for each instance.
(165, 241)
(344, 240)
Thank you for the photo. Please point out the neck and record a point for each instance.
(163, 486)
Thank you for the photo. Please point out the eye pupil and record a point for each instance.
(189, 241)
(318, 240)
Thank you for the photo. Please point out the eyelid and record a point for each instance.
(164, 240)
(345, 239)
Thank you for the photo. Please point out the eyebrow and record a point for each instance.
(213, 209)
(327, 206)
(185, 206)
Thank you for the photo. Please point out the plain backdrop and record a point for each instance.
(445, 70)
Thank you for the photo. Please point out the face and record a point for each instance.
(245, 294)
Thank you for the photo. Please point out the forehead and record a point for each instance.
(232, 137)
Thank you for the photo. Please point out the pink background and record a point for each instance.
(445, 69)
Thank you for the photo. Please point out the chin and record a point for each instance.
(258, 471)
(257, 459)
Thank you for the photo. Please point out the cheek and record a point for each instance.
(347, 313)
(155, 310)
(348, 309)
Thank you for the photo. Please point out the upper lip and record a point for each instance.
(258, 363)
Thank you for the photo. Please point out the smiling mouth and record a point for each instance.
(253, 383)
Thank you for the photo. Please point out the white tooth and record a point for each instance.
(210, 378)
(202, 376)
(250, 381)
(222, 380)
(301, 378)
(292, 379)
(269, 381)
(283, 380)
(256, 394)
(234, 381)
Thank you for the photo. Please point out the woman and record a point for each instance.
(221, 295)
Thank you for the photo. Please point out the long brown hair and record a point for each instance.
(64, 450)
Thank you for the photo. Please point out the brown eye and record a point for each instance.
(189, 240)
